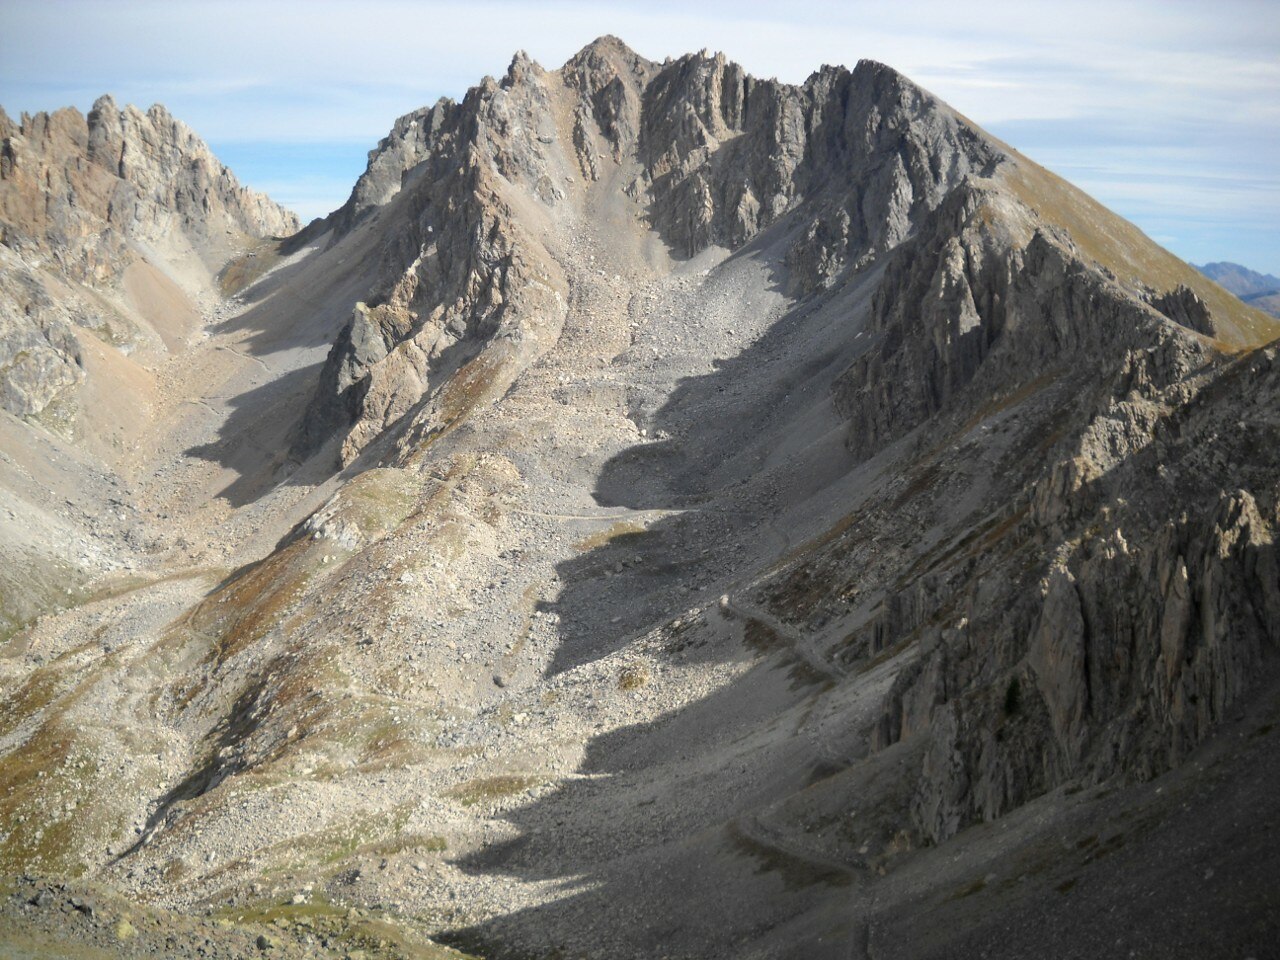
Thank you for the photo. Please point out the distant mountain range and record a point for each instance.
(1260, 290)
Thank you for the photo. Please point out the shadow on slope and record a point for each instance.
(741, 445)
(689, 835)
(253, 441)
(295, 314)
(304, 304)
(747, 442)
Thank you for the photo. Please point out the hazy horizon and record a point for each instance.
(1169, 113)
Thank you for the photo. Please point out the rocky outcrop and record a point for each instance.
(460, 274)
(724, 155)
(79, 189)
(1091, 635)
(610, 80)
(968, 299)
(171, 175)
(1182, 305)
(1101, 612)
(78, 196)
(727, 155)
(1071, 625)
(39, 353)
(1136, 649)
(410, 141)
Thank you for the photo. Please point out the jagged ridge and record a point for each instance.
(80, 197)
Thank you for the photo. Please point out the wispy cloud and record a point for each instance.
(1152, 104)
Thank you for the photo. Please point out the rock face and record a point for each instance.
(871, 153)
(463, 284)
(1120, 660)
(79, 198)
(717, 156)
(409, 142)
(39, 354)
(1085, 639)
(171, 175)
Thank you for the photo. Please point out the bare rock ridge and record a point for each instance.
(139, 175)
(715, 156)
(1102, 647)
(772, 521)
(169, 172)
(463, 285)
(401, 150)
(83, 198)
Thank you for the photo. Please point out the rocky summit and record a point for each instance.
(664, 513)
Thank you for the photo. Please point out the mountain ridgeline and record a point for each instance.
(714, 155)
(662, 512)
(1260, 290)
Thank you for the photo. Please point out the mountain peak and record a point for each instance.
(104, 103)
(607, 49)
(607, 45)
(1260, 290)
(521, 66)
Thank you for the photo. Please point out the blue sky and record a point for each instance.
(1166, 110)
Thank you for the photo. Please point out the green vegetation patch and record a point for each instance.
(624, 532)
(490, 788)
(379, 500)
(249, 267)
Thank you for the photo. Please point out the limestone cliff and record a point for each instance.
(83, 198)
(463, 283)
(714, 155)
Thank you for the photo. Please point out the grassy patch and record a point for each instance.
(34, 587)
(623, 529)
(633, 678)
(763, 639)
(485, 789)
(374, 936)
(325, 852)
(249, 267)
(37, 781)
(976, 887)
(379, 500)
(796, 871)
(1121, 247)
